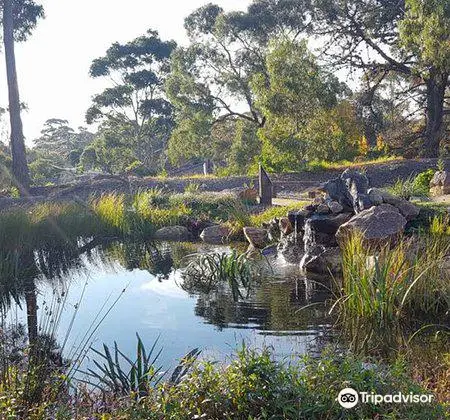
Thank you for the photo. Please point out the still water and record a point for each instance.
(114, 291)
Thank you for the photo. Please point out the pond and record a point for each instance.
(113, 291)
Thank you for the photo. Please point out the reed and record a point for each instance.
(206, 271)
(383, 289)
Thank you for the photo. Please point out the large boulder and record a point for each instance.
(257, 237)
(216, 234)
(172, 233)
(377, 225)
(409, 210)
(440, 183)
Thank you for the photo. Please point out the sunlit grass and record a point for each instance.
(275, 211)
(325, 165)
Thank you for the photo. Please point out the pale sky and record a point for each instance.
(53, 64)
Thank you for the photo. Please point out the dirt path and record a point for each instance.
(292, 185)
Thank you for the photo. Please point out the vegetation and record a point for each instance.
(418, 186)
(383, 290)
(253, 385)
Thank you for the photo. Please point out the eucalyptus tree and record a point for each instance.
(406, 39)
(211, 78)
(19, 18)
(135, 104)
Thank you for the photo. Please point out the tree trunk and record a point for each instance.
(21, 177)
(436, 85)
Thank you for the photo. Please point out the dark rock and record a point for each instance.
(357, 186)
(335, 207)
(324, 261)
(291, 248)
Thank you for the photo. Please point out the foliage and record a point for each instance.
(137, 117)
(206, 272)
(383, 288)
(276, 211)
(407, 39)
(304, 120)
(418, 186)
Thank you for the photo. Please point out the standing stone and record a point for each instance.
(265, 188)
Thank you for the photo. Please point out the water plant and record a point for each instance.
(206, 271)
(383, 288)
(122, 376)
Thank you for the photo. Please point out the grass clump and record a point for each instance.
(383, 289)
(418, 186)
(206, 272)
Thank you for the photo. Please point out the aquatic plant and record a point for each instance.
(206, 271)
(383, 288)
(122, 376)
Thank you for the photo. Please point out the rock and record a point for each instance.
(357, 185)
(257, 237)
(409, 210)
(375, 196)
(297, 218)
(335, 207)
(378, 225)
(318, 200)
(349, 190)
(172, 233)
(327, 261)
(291, 248)
(321, 230)
(440, 184)
(216, 234)
(273, 229)
(323, 209)
(285, 226)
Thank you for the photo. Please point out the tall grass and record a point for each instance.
(383, 289)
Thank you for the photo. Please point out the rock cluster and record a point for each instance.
(348, 206)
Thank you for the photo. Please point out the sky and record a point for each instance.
(53, 64)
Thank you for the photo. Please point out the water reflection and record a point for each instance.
(155, 303)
